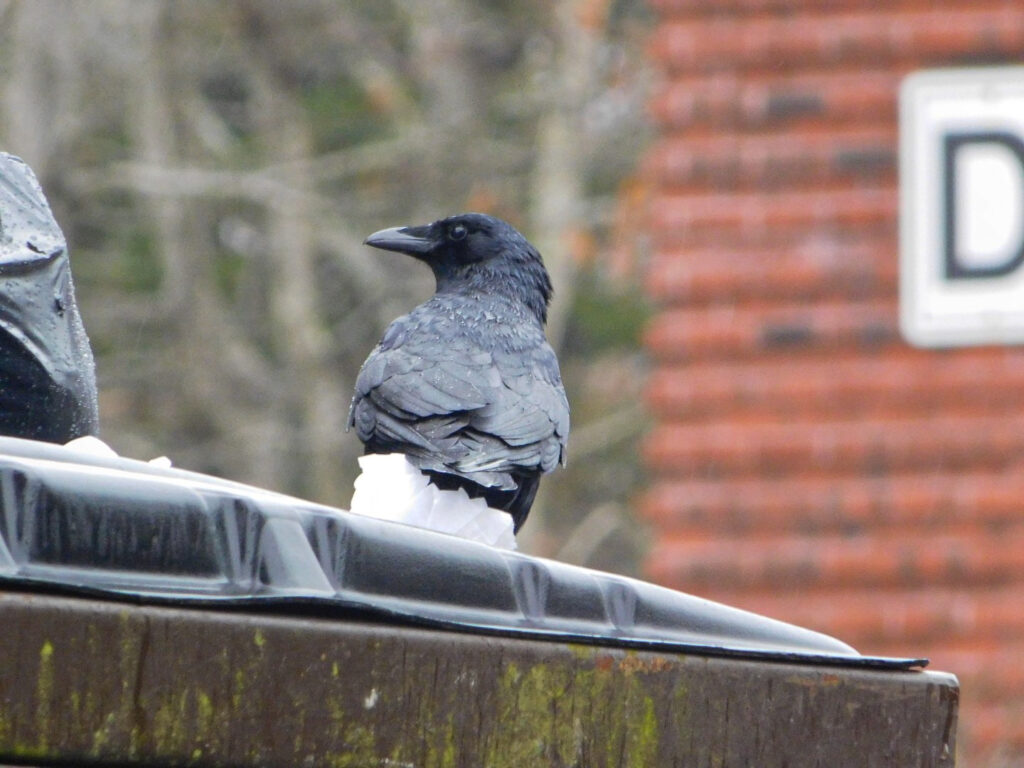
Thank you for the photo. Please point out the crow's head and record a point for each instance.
(475, 253)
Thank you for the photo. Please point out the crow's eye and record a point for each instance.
(457, 232)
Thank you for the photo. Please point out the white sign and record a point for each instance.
(962, 207)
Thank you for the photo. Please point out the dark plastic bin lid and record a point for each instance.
(124, 529)
(47, 374)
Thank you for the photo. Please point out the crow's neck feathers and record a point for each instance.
(476, 254)
(517, 274)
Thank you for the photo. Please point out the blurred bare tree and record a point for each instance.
(215, 167)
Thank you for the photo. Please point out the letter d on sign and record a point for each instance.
(962, 207)
(983, 204)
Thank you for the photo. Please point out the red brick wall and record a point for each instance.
(806, 462)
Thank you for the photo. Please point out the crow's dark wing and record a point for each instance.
(530, 409)
(432, 390)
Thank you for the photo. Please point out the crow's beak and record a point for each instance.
(410, 240)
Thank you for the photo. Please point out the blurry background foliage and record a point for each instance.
(216, 166)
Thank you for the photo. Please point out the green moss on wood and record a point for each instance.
(587, 707)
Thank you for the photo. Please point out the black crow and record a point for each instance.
(466, 385)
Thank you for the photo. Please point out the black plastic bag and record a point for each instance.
(47, 373)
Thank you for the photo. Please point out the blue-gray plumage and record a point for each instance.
(466, 385)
